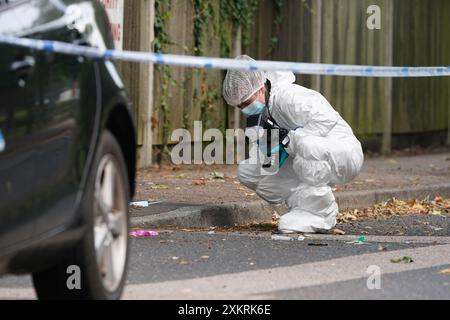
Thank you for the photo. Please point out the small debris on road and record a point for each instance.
(143, 233)
(359, 241)
(405, 259)
(143, 204)
(312, 244)
(139, 204)
(281, 237)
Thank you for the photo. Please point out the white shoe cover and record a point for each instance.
(307, 222)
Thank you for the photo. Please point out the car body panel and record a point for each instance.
(17, 161)
(69, 101)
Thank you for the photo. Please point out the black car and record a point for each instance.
(67, 154)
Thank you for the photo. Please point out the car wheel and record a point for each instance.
(102, 255)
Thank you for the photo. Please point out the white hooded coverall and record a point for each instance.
(323, 152)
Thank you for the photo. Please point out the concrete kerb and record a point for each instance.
(220, 215)
(227, 215)
(367, 198)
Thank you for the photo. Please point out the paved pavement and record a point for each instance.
(192, 197)
(197, 184)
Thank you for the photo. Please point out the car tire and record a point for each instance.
(96, 267)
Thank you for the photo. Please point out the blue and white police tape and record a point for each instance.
(221, 63)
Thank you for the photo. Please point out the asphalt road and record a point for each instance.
(186, 265)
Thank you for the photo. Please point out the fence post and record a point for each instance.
(448, 132)
(388, 31)
(138, 78)
(237, 51)
(317, 40)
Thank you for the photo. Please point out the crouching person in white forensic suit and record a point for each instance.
(319, 147)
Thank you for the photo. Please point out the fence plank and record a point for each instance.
(388, 30)
(138, 79)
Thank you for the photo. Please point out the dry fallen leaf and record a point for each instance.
(154, 122)
(217, 175)
(159, 186)
(438, 199)
(182, 262)
(275, 216)
(392, 161)
(346, 217)
(417, 208)
(338, 232)
(445, 271)
(199, 182)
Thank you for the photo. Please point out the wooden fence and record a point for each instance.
(413, 33)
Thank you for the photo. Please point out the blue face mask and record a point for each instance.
(256, 107)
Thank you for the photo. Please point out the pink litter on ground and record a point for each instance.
(143, 233)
